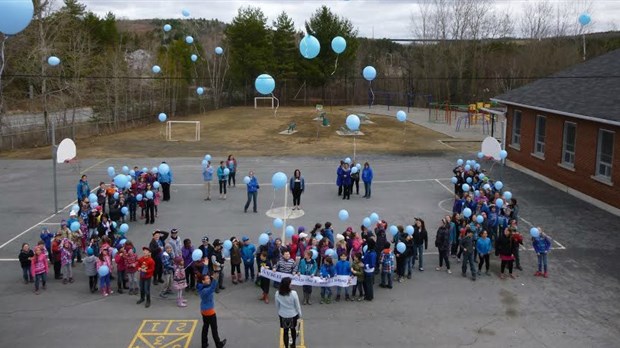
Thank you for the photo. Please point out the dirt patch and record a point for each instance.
(254, 132)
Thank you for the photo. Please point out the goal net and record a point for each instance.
(263, 101)
(183, 131)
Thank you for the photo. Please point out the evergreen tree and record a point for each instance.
(285, 56)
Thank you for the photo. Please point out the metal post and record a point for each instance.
(54, 154)
(285, 214)
(584, 46)
(354, 145)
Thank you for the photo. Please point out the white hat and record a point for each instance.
(303, 235)
(73, 213)
(339, 237)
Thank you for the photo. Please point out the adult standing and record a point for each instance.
(297, 185)
(289, 311)
(252, 191)
(206, 290)
(83, 190)
(367, 179)
(165, 179)
(149, 205)
(370, 261)
(222, 177)
(207, 176)
(231, 163)
(442, 242)
(355, 179)
(346, 182)
(156, 247)
(339, 173)
(420, 243)
(505, 248)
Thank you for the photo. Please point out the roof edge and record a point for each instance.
(563, 113)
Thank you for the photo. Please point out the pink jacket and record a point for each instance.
(39, 264)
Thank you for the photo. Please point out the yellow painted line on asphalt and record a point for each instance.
(164, 334)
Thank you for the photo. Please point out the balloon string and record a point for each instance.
(277, 105)
(273, 201)
(372, 100)
(336, 65)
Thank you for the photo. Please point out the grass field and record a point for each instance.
(247, 131)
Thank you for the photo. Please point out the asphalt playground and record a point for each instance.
(577, 306)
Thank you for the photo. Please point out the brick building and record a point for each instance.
(565, 129)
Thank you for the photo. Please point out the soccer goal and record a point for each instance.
(183, 131)
(256, 99)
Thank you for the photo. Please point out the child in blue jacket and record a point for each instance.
(207, 308)
(248, 252)
(542, 245)
(343, 268)
(483, 247)
(327, 271)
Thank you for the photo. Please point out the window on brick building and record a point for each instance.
(605, 152)
(539, 140)
(568, 145)
(516, 129)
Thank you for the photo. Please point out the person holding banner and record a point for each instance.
(289, 311)
(370, 261)
(307, 266)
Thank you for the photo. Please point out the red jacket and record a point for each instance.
(56, 249)
(146, 262)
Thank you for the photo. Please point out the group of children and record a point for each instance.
(348, 175)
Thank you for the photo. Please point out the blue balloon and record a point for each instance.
(468, 180)
(124, 228)
(309, 47)
(401, 116)
(365, 249)
(154, 170)
(409, 230)
(481, 176)
(401, 247)
(149, 194)
(156, 69)
(207, 157)
(534, 232)
(167, 27)
(263, 239)
(315, 254)
(226, 252)
(139, 197)
(289, 231)
(145, 169)
(125, 210)
(369, 73)
(265, 84)
(467, 167)
(343, 215)
(189, 40)
(486, 187)
(115, 195)
(278, 223)
(278, 180)
(339, 44)
(459, 162)
(185, 13)
(353, 122)
(476, 193)
(318, 237)
(15, 15)
(354, 170)
(330, 252)
(454, 180)
(480, 155)
(347, 160)
(196, 255)
(164, 169)
(53, 61)
(374, 217)
(393, 230)
(466, 188)
(227, 244)
(193, 57)
(103, 271)
(125, 170)
(75, 208)
(94, 205)
(75, 226)
(503, 154)
(120, 180)
(499, 185)
(584, 19)
(507, 195)
(162, 117)
(366, 222)
(92, 197)
(132, 172)
(200, 91)
(219, 51)
(467, 212)
(479, 219)
(226, 171)
(111, 172)
(499, 203)
(156, 185)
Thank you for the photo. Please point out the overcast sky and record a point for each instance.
(383, 18)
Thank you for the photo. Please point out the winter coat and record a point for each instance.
(253, 185)
(367, 175)
(420, 237)
(235, 255)
(90, 265)
(542, 244)
(343, 268)
(307, 267)
(39, 265)
(247, 253)
(483, 246)
(24, 258)
(442, 239)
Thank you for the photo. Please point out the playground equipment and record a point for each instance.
(398, 98)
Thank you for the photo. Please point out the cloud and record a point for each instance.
(378, 18)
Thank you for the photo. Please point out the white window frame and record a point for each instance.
(515, 139)
(537, 141)
(565, 151)
(599, 162)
